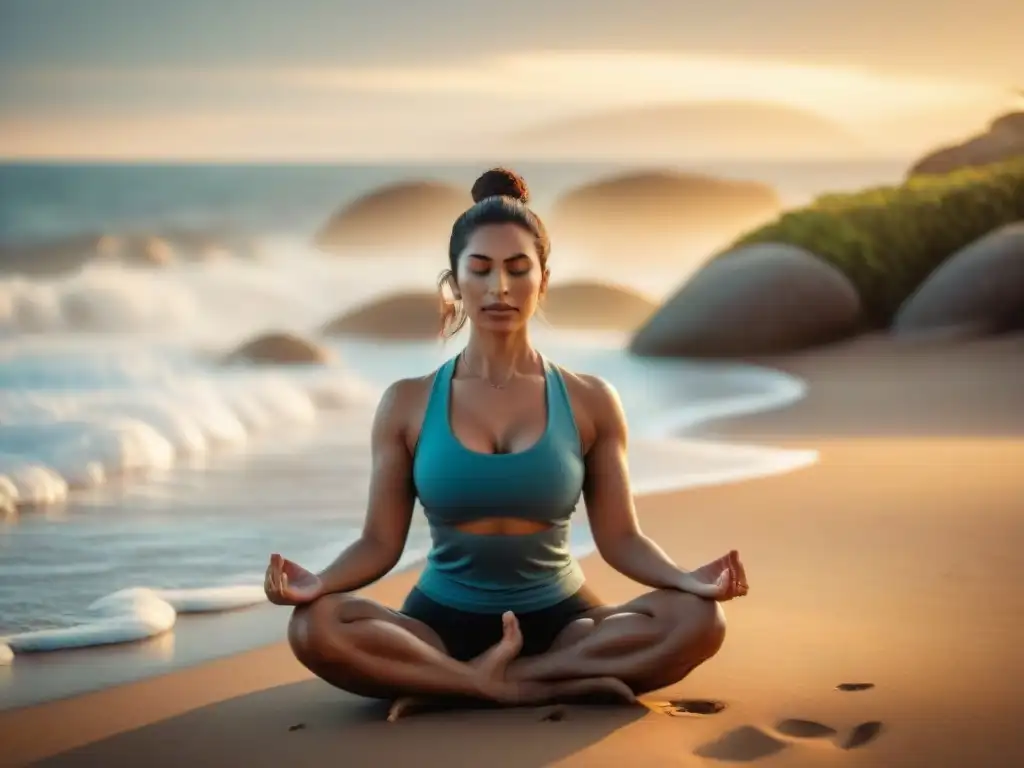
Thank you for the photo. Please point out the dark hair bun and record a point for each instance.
(500, 182)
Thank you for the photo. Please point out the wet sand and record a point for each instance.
(893, 562)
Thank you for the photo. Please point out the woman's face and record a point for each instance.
(500, 278)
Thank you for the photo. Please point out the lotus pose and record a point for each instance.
(499, 444)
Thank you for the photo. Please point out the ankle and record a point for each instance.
(489, 689)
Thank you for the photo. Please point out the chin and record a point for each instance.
(500, 324)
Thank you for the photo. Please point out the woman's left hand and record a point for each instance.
(722, 579)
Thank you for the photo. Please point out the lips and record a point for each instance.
(500, 308)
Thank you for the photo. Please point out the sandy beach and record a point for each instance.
(892, 562)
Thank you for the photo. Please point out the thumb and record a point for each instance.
(701, 588)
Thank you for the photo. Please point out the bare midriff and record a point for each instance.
(503, 526)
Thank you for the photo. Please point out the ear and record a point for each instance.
(452, 283)
(544, 281)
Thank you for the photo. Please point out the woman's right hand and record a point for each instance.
(288, 583)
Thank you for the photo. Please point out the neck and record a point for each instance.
(497, 357)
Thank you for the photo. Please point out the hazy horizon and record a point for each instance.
(259, 81)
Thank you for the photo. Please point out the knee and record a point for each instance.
(315, 630)
(697, 626)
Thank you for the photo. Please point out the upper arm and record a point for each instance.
(606, 489)
(392, 494)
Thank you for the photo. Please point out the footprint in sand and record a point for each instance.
(684, 707)
(855, 686)
(748, 743)
(804, 729)
(742, 745)
(862, 734)
(556, 715)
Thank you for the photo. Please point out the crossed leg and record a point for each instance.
(645, 644)
(365, 648)
(648, 643)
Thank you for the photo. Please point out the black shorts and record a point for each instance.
(466, 635)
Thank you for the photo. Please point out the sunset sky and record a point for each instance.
(311, 79)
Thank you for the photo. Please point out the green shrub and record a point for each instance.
(887, 240)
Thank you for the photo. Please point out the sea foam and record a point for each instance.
(73, 424)
(135, 614)
(100, 379)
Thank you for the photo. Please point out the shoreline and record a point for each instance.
(797, 423)
(876, 564)
(36, 677)
(785, 654)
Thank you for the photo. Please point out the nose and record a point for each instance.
(499, 283)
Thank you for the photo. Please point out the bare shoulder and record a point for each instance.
(403, 394)
(593, 391)
(402, 407)
(596, 405)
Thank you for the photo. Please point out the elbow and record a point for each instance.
(385, 554)
(615, 550)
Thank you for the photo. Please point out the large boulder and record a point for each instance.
(759, 299)
(1003, 140)
(416, 315)
(407, 215)
(279, 348)
(651, 215)
(407, 315)
(979, 288)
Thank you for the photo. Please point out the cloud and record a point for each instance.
(554, 73)
(358, 109)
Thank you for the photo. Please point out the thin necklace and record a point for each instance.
(489, 383)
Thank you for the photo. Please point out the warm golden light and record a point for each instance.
(305, 112)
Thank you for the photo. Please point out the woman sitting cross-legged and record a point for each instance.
(499, 444)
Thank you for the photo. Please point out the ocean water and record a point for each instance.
(141, 480)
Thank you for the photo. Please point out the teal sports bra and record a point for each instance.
(492, 573)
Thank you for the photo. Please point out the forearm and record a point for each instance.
(643, 561)
(361, 563)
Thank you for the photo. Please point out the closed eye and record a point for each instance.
(518, 265)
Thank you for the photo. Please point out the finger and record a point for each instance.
(284, 584)
(722, 585)
(280, 567)
(737, 564)
(732, 583)
(741, 575)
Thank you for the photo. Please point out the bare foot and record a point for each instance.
(406, 706)
(490, 668)
(492, 663)
(563, 690)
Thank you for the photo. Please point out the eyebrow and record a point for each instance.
(488, 258)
